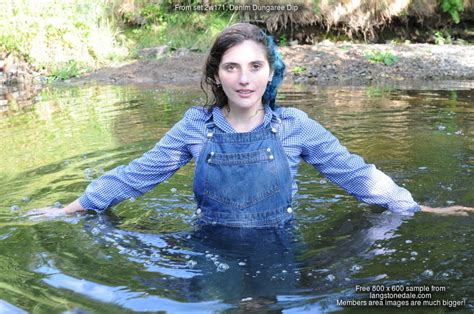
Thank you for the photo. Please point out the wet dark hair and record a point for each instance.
(230, 37)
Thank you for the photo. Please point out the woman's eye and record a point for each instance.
(230, 67)
(257, 66)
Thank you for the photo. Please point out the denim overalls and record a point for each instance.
(243, 179)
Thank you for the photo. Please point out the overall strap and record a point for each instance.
(275, 122)
(210, 126)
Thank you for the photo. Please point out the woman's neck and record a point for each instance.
(244, 120)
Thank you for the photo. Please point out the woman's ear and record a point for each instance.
(216, 78)
(270, 78)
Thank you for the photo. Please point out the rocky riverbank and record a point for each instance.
(327, 63)
(323, 63)
(17, 72)
(19, 82)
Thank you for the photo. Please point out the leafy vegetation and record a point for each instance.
(67, 38)
(193, 30)
(454, 8)
(385, 57)
(442, 38)
(72, 68)
(63, 38)
(299, 70)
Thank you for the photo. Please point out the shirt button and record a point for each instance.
(198, 211)
(274, 130)
(268, 149)
(270, 157)
(289, 210)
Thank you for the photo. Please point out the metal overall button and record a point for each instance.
(269, 151)
(198, 211)
(210, 134)
(289, 210)
(210, 156)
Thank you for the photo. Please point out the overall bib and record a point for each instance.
(243, 179)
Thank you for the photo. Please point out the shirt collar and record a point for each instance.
(222, 123)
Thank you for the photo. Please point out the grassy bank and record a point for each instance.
(66, 38)
(161, 25)
(62, 38)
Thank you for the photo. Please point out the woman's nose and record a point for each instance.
(244, 79)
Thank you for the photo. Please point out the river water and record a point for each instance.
(145, 255)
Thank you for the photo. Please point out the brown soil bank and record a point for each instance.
(323, 63)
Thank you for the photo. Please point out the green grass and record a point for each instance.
(385, 57)
(62, 38)
(64, 71)
(192, 30)
(67, 38)
(299, 70)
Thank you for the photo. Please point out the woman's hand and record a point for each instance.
(451, 210)
(53, 212)
(47, 212)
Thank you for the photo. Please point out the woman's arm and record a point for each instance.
(132, 180)
(364, 181)
(142, 174)
(451, 210)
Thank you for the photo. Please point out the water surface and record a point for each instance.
(145, 255)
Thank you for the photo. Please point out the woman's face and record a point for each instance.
(244, 73)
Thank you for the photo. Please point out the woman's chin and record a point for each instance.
(246, 104)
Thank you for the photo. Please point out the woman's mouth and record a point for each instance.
(244, 93)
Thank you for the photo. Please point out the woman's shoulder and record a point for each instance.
(291, 113)
(300, 120)
(197, 114)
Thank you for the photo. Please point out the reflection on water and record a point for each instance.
(147, 255)
(243, 268)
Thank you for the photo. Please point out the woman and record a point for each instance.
(247, 150)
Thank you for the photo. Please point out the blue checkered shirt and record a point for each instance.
(302, 139)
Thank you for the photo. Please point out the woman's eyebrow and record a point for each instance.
(230, 63)
(235, 63)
